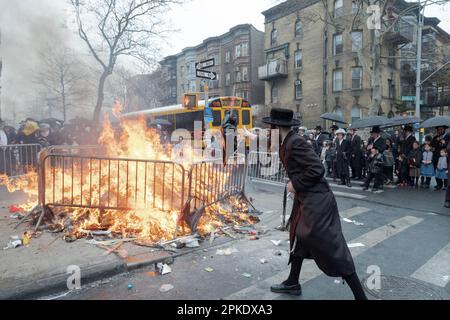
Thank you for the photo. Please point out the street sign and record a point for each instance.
(202, 74)
(205, 64)
(409, 98)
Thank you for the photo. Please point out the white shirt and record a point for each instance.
(3, 138)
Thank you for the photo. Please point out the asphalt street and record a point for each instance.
(401, 233)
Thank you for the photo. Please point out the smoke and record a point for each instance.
(27, 26)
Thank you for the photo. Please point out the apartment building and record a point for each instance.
(318, 60)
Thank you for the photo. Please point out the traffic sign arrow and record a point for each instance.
(206, 74)
(205, 64)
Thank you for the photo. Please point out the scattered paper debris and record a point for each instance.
(263, 261)
(247, 275)
(14, 242)
(166, 288)
(353, 221)
(209, 269)
(15, 208)
(338, 281)
(226, 252)
(276, 242)
(192, 244)
(356, 245)
(163, 269)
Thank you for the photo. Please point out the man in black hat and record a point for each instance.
(406, 145)
(315, 227)
(356, 155)
(320, 137)
(376, 140)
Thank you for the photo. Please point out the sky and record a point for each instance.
(27, 25)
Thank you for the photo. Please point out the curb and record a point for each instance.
(57, 283)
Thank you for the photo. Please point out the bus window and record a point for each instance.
(186, 120)
(217, 116)
(245, 117)
(234, 112)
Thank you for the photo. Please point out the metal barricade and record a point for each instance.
(19, 159)
(265, 167)
(210, 183)
(110, 183)
(83, 150)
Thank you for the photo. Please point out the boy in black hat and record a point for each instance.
(315, 226)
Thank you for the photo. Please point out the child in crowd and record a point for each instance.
(414, 162)
(427, 167)
(388, 164)
(328, 157)
(375, 170)
(442, 171)
(402, 171)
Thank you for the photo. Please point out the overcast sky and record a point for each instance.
(200, 19)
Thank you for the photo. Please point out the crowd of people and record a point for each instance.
(385, 159)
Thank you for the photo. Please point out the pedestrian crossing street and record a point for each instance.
(393, 235)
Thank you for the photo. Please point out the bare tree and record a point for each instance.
(61, 76)
(119, 28)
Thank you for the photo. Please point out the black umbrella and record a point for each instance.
(52, 122)
(370, 122)
(333, 117)
(440, 121)
(401, 121)
(161, 122)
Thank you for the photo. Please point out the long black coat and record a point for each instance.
(407, 145)
(315, 226)
(343, 155)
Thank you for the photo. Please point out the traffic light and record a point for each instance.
(190, 100)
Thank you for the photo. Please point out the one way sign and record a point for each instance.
(206, 74)
(205, 64)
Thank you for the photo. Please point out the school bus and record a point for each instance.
(183, 116)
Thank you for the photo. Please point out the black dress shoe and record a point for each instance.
(295, 290)
(447, 204)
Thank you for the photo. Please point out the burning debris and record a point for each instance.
(114, 197)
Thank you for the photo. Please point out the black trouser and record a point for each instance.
(447, 194)
(378, 177)
(356, 165)
(441, 183)
(388, 173)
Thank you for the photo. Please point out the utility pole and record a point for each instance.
(419, 59)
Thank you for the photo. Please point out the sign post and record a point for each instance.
(201, 73)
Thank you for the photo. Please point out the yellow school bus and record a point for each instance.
(183, 116)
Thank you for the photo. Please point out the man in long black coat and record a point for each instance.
(315, 227)
(343, 154)
(356, 156)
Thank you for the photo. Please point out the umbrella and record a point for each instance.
(370, 122)
(401, 121)
(52, 122)
(333, 117)
(440, 121)
(161, 122)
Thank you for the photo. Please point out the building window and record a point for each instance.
(245, 97)
(325, 47)
(355, 6)
(298, 28)
(337, 41)
(274, 37)
(227, 79)
(391, 89)
(238, 76)
(298, 89)
(338, 8)
(244, 73)
(298, 61)
(356, 78)
(274, 94)
(228, 57)
(245, 49)
(337, 80)
(357, 41)
(238, 51)
(338, 110)
(356, 113)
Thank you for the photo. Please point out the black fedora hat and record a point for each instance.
(376, 129)
(319, 128)
(282, 118)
